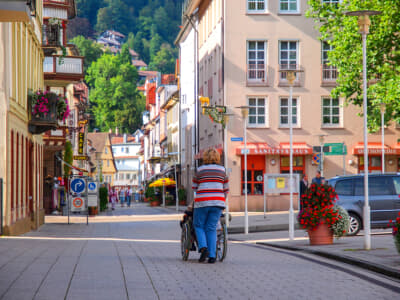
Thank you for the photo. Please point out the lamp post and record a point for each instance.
(364, 22)
(245, 114)
(176, 179)
(321, 142)
(290, 71)
(383, 109)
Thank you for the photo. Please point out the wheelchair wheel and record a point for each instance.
(186, 241)
(222, 242)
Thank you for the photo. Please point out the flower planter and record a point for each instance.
(321, 235)
(397, 243)
(93, 210)
(155, 203)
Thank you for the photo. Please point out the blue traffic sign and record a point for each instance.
(236, 139)
(92, 186)
(78, 185)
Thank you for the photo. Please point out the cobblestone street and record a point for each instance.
(141, 259)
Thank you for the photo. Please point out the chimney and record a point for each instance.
(124, 138)
(116, 131)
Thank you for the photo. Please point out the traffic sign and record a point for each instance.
(92, 187)
(236, 139)
(316, 158)
(77, 204)
(325, 149)
(337, 149)
(78, 185)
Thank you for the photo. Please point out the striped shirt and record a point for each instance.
(211, 186)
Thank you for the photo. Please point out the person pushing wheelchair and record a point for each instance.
(211, 185)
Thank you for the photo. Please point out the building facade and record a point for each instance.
(243, 46)
(21, 151)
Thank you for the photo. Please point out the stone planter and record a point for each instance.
(322, 235)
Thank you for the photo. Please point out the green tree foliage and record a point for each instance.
(68, 157)
(103, 194)
(164, 60)
(116, 15)
(155, 45)
(79, 26)
(87, 48)
(116, 101)
(383, 53)
(88, 9)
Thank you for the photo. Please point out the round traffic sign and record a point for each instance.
(77, 202)
(92, 186)
(78, 185)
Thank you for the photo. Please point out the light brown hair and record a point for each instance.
(211, 156)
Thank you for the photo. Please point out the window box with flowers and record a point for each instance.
(320, 216)
(46, 110)
(395, 224)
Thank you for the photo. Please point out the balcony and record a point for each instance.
(63, 70)
(42, 122)
(52, 35)
(328, 75)
(17, 10)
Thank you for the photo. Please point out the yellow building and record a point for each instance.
(21, 152)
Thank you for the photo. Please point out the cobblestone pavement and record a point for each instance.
(140, 259)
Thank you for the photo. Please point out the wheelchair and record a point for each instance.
(189, 241)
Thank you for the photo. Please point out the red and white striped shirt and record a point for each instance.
(211, 185)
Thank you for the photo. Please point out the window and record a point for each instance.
(330, 112)
(344, 187)
(288, 56)
(128, 176)
(377, 186)
(257, 111)
(106, 150)
(255, 177)
(329, 72)
(335, 2)
(256, 6)
(108, 163)
(256, 58)
(298, 164)
(284, 112)
(121, 176)
(127, 150)
(288, 6)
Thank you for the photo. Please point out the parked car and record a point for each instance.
(384, 198)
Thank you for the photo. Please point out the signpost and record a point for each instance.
(236, 139)
(78, 196)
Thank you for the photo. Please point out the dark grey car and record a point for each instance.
(384, 198)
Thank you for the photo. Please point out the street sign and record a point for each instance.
(78, 185)
(92, 200)
(325, 149)
(243, 152)
(81, 157)
(77, 204)
(316, 158)
(337, 149)
(92, 187)
(236, 139)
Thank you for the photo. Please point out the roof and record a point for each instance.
(141, 88)
(98, 140)
(116, 33)
(138, 63)
(133, 52)
(168, 79)
(120, 139)
(148, 73)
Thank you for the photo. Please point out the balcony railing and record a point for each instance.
(69, 65)
(256, 74)
(17, 10)
(329, 74)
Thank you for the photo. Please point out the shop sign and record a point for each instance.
(81, 139)
(81, 157)
(277, 151)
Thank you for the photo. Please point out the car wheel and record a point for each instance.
(355, 224)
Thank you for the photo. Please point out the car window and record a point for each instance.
(344, 187)
(380, 186)
(396, 181)
(359, 187)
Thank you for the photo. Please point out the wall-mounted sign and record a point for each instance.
(81, 140)
(81, 157)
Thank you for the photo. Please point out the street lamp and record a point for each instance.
(176, 180)
(245, 114)
(291, 73)
(321, 142)
(364, 22)
(383, 109)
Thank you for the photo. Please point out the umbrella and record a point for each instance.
(162, 182)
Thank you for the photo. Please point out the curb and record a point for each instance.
(261, 228)
(378, 268)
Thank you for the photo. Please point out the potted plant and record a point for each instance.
(151, 196)
(319, 215)
(395, 224)
(182, 196)
(46, 105)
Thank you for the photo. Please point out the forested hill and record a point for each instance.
(150, 25)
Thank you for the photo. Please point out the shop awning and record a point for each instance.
(200, 154)
(282, 149)
(374, 148)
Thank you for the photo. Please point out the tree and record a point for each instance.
(116, 16)
(164, 61)
(116, 101)
(68, 158)
(87, 48)
(88, 9)
(79, 26)
(383, 54)
(155, 45)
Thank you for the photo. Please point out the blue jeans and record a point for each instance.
(205, 224)
(128, 200)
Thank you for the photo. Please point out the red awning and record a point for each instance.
(200, 154)
(282, 149)
(374, 148)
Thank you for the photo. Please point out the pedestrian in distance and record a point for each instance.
(129, 196)
(303, 188)
(122, 196)
(112, 195)
(318, 179)
(210, 184)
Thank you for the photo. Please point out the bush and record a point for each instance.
(182, 195)
(341, 227)
(103, 194)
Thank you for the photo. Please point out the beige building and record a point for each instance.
(242, 46)
(21, 151)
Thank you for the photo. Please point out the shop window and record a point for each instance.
(298, 165)
(374, 164)
(255, 175)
